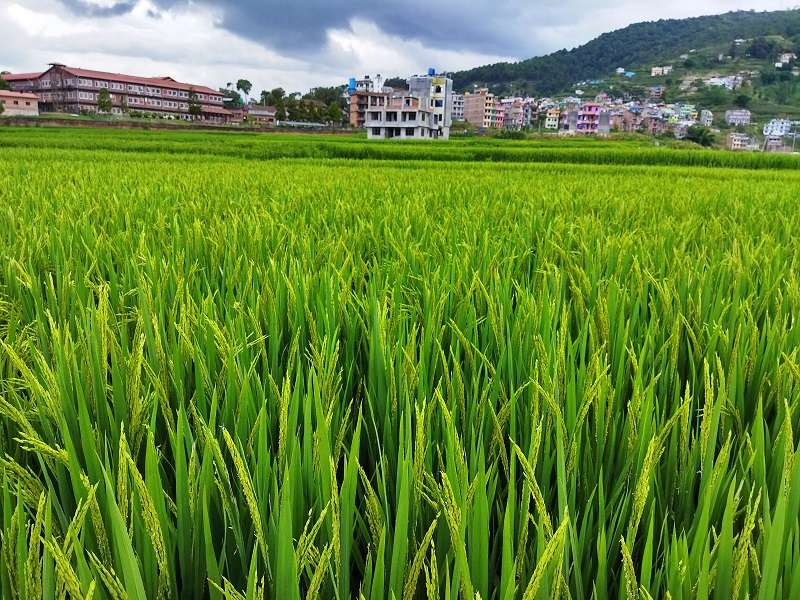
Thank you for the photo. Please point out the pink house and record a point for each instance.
(588, 118)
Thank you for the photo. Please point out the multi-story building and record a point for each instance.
(458, 107)
(631, 119)
(69, 89)
(364, 94)
(778, 128)
(604, 122)
(480, 109)
(737, 117)
(437, 91)
(19, 104)
(706, 118)
(569, 121)
(530, 112)
(517, 113)
(686, 112)
(363, 100)
(588, 118)
(775, 143)
(499, 117)
(659, 71)
(739, 141)
(402, 117)
(552, 118)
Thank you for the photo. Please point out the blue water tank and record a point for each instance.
(431, 71)
(351, 85)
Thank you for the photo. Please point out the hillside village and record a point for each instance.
(705, 99)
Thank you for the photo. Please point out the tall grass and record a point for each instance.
(259, 147)
(335, 379)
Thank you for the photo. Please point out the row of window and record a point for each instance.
(135, 101)
(134, 88)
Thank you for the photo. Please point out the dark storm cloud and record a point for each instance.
(496, 27)
(519, 28)
(88, 8)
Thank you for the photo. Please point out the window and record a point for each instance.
(409, 132)
(376, 131)
(16, 102)
(27, 103)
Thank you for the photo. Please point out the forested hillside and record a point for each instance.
(641, 43)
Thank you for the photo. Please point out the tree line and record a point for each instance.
(320, 104)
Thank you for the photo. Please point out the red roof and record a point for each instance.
(25, 95)
(21, 76)
(156, 81)
(164, 82)
(218, 110)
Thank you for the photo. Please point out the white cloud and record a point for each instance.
(46, 25)
(364, 47)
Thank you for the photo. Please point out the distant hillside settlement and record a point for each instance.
(427, 108)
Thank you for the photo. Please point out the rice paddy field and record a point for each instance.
(282, 367)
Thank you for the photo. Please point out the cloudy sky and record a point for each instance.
(298, 44)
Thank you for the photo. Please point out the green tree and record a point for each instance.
(742, 100)
(235, 99)
(327, 95)
(762, 48)
(244, 86)
(3, 83)
(333, 113)
(104, 103)
(195, 108)
(700, 135)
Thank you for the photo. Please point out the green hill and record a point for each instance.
(639, 44)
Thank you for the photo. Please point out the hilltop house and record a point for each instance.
(737, 117)
(739, 141)
(778, 128)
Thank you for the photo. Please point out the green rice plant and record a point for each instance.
(238, 367)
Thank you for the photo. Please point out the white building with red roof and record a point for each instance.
(68, 89)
